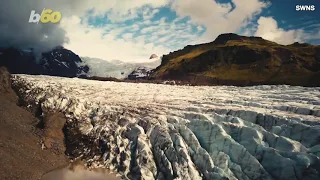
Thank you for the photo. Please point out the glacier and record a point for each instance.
(116, 68)
(158, 131)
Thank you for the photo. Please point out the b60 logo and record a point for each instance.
(46, 16)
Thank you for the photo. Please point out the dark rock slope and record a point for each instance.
(58, 62)
(238, 60)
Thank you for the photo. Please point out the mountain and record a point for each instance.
(232, 59)
(58, 62)
(153, 56)
(140, 73)
(115, 68)
(144, 72)
(65, 63)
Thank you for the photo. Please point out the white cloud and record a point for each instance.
(147, 22)
(140, 39)
(115, 16)
(218, 18)
(268, 29)
(88, 41)
(149, 14)
(162, 21)
(164, 39)
(149, 29)
(134, 27)
(162, 31)
(199, 28)
(127, 36)
(153, 38)
(114, 32)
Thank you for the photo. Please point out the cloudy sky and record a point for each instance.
(132, 30)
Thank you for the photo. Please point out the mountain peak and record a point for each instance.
(57, 62)
(224, 38)
(153, 56)
(297, 44)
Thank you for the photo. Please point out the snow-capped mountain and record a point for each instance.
(140, 73)
(156, 131)
(57, 62)
(116, 68)
(143, 72)
(65, 63)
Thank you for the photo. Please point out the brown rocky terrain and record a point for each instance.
(32, 147)
(21, 155)
(239, 60)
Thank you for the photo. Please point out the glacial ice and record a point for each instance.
(157, 131)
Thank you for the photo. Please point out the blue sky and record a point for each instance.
(148, 25)
(131, 31)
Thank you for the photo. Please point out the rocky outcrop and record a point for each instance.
(140, 73)
(53, 136)
(5, 81)
(143, 72)
(225, 38)
(5, 85)
(58, 62)
(154, 131)
(153, 56)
